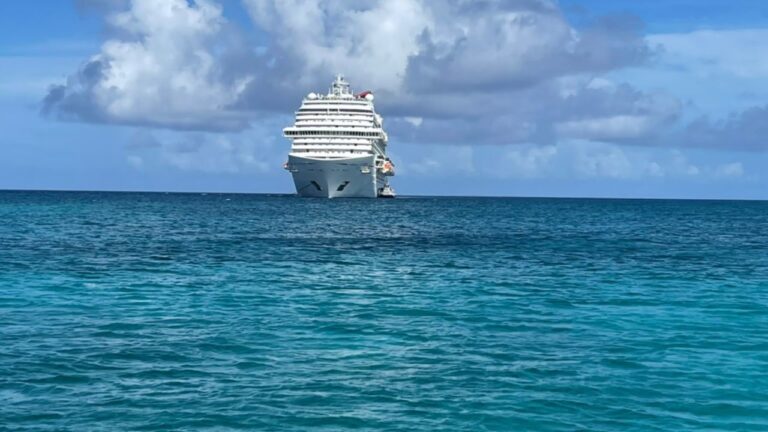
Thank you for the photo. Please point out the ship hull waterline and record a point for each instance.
(353, 177)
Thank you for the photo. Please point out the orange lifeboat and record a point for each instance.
(387, 168)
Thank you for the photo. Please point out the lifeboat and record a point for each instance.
(387, 168)
(367, 95)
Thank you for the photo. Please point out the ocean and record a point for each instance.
(161, 312)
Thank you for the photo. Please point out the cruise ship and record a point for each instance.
(338, 146)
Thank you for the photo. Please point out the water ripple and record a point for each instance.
(242, 312)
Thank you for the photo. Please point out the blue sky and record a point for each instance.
(518, 97)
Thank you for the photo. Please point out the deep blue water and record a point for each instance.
(130, 311)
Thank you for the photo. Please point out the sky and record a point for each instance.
(570, 98)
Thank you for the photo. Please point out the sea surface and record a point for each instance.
(162, 312)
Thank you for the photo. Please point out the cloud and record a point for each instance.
(746, 130)
(135, 161)
(602, 111)
(368, 41)
(427, 47)
(180, 65)
(413, 49)
(578, 159)
(572, 159)
(561, 109)
(485, 72)
(213, 155)
(529, 161)
(466, 73)
(495, 46)
(201, 152)
(721, 73)
(169, 67)
(733, 169)
(739, 53)
(414, 121)
(453, 160)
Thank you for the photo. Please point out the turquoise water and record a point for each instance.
(244, 312)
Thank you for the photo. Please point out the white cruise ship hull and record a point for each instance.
(335, 178)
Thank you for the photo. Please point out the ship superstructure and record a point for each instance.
(338, 146)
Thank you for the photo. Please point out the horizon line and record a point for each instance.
(288, 194)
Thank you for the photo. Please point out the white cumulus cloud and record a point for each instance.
(166, 68)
